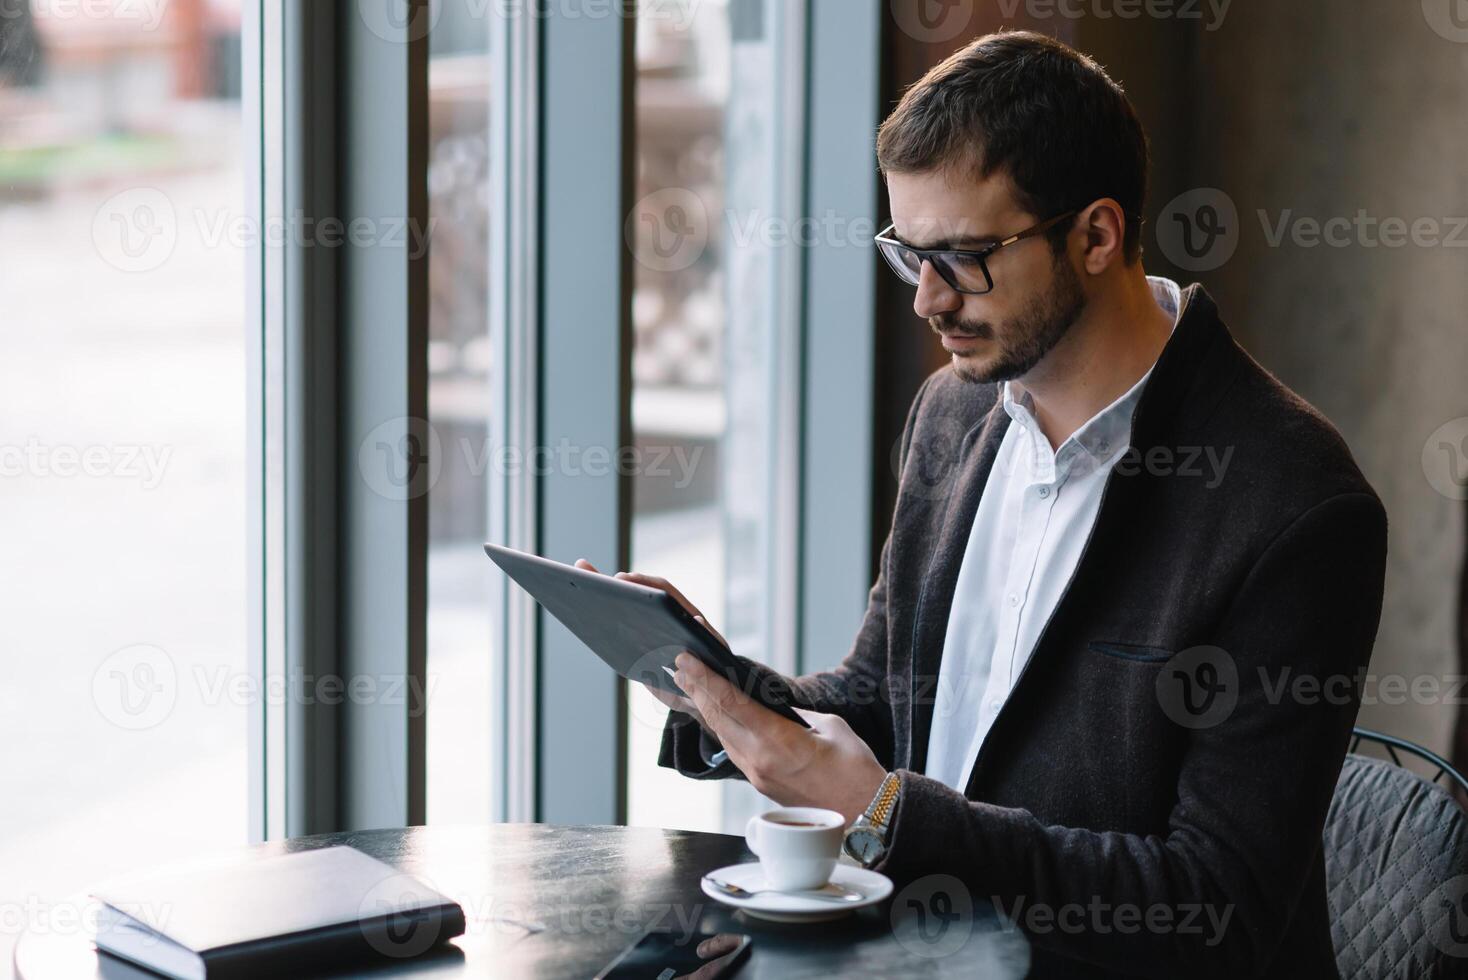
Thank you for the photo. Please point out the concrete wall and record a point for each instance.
(1318, 109)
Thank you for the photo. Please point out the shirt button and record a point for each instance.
(995, 706)
(1014, 600)
(1044, 492)
(1103, 447)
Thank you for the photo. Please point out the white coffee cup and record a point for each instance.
(797, 847)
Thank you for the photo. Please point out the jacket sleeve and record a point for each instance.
(1253, 790)
(856, 690)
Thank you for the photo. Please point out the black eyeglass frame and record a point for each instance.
(934, 256)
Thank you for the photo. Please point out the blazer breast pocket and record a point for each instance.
(1134, 652)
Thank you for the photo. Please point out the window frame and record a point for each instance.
(514, 304)
(838, 457)
(587, 153)
(338, 576)
(339, 584)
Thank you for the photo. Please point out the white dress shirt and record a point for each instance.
(1031, 526)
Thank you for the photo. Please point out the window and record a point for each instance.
(463, 679)
(188, 450)
(715, 356)
(124, 688)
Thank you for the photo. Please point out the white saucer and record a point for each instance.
(792, 906)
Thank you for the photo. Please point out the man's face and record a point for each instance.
(1037, 296)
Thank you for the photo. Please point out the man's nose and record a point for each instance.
(934, 296)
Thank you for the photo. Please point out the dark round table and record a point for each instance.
(561, 902)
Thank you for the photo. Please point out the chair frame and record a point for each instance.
(1392, 744)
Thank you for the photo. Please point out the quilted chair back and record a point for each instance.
(1396, 868)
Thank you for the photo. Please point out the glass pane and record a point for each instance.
(463, 714)
(704, 355)
(124, 688)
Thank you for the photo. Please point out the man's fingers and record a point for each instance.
(705, 624)
(715, 697)
(717, 945)
(655, 582)
(741, 723)
(651, 581)
(674, 702)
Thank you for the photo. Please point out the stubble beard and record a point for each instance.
(1029, 337)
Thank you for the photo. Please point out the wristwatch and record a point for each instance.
(866, 838)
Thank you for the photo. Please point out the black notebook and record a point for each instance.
(256, 917)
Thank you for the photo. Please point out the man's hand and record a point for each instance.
(672, 701)
(826, 765)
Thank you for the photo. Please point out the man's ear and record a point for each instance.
(1104, 223)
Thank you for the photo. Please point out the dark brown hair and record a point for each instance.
(1035, 109)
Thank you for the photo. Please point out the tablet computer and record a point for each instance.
(639, 631)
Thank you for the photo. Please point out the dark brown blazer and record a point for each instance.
(1175, 738)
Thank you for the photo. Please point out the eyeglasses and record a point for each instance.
(965, 271)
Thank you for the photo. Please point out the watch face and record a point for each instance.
(865, 845)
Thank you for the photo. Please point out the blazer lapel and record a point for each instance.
(935, 596)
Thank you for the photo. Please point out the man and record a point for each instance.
(1119, 545)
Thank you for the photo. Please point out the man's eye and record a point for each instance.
(966, 259)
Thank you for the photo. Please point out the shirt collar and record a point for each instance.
(1110, 429)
